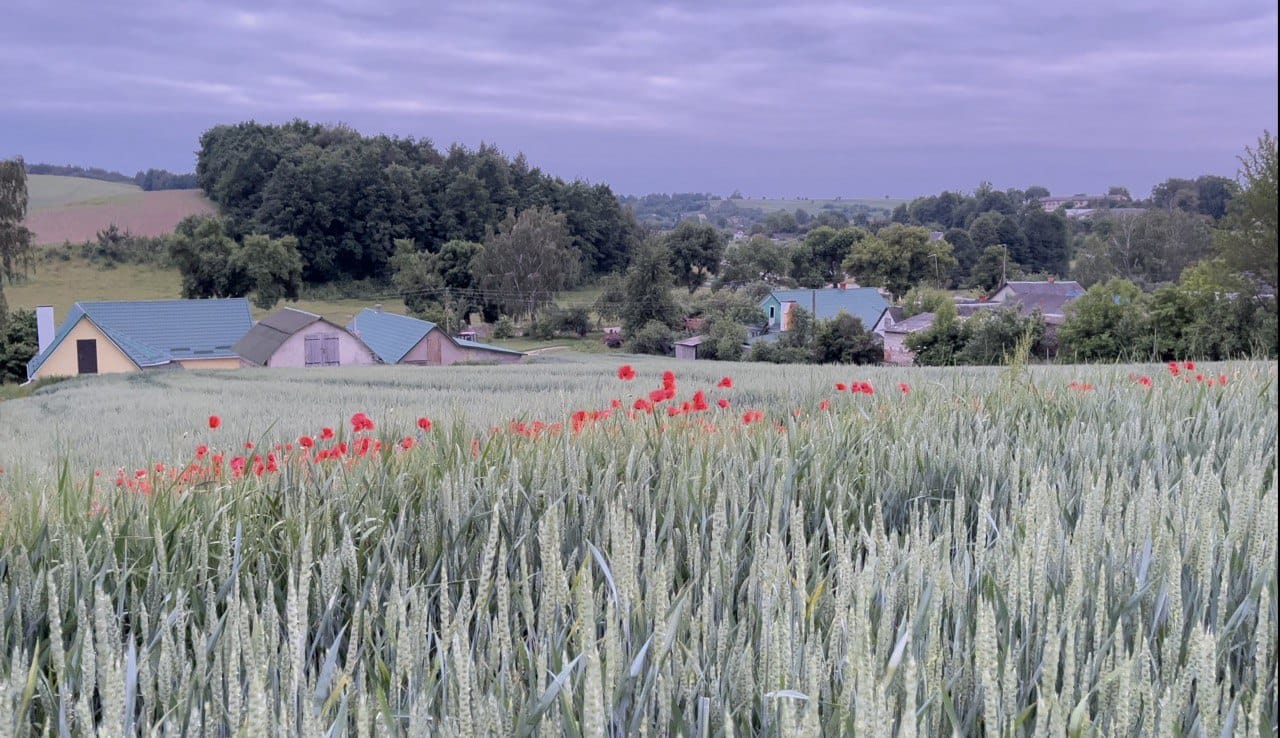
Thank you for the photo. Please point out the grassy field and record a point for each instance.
(816, 206)
(61, 283)
(74, 209)
(48, 191)
(1044, 551)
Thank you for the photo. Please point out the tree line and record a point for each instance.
(353, 201)
(149, 180)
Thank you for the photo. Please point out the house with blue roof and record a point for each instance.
(864, 303)
(120, 337)
(400, 339)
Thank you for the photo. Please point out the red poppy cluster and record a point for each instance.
(325, 447)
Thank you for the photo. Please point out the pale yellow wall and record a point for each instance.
(229, 363)
(64, 363)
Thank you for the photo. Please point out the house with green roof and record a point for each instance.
(121, 337)
(400, 339)
(864, 303)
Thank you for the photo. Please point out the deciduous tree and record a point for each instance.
(695, 250)
(526, 261)
(15, 239)
(1249, 235)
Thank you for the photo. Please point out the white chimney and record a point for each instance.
(45, 328)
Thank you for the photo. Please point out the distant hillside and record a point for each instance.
(666, 210)
(75, 209)
(152, 179)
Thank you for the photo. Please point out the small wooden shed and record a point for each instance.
(688, 348)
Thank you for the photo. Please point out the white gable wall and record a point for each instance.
(351, 351)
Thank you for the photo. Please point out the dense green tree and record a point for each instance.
(1175, 193)
(818, 260)
(1044, 239)
(899, 257)
(1146, 248)
(938, 344)
(1213, 193)
(526, 261)
(1107, 323)
(844, 340)
(695, 249)
(924, 299)
(964, 250)
(993, 267)
(348, 197)
(993, 335)
(272, 268)
(206, 257)
(18, 345)
(755, 259)
(1249, 235)
(646, 289)
(15, 239)
(1033, 194)
(654, 337)
(416, 277)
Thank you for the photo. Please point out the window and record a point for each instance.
(321, 350)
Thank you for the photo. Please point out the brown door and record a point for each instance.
(87, 356)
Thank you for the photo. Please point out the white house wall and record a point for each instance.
(351, 351)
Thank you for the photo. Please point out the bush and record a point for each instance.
(843, 340)
(653, 338)
(543, 327)
(504, 328)
(575, 320)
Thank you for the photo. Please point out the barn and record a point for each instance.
(296, 338)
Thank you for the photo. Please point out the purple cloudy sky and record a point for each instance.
(816, 98)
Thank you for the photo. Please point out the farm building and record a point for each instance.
(688, 348)
(119, 337)
(296, 338)
(400, 339)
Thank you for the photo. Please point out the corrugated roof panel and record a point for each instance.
(389, 335)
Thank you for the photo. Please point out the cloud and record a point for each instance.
(743, 74)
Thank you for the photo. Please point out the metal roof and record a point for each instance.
(391, 335)
(265, 338)
(864, 303)
(914, 324)
(156, 332)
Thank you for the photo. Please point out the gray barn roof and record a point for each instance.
(265, 338)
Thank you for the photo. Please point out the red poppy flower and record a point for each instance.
(668, 380)
(840, 387)
(1144, 381)
(1189, 366)
(642, 404)
(723, 403)
(904, 387)
(615, 403)
(248, 444)
(406, 443)
(673, 411)
(699, 400)
(214, 422)
(824, 405)
(1173, 368)
(657, 395)
(626, 373)
(424, 424)
(202, 451)
(306, 442)
(326, 434)
(1222, 379)
(725, 383)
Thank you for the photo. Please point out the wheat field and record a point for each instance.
(520, 551)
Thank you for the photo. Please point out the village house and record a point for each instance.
(865, 303)
(1050, 297)
(895, 335)
(296, 338)
(121, 337)
(400, 339)
(1054, 202)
